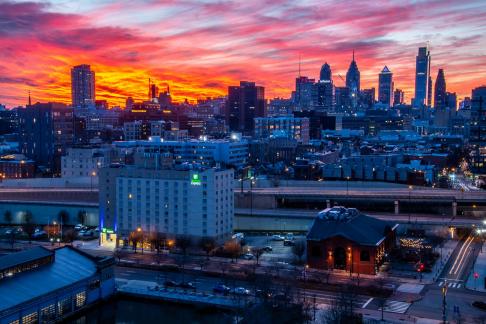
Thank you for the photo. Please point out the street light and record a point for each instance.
(409, 203)
(93, 174)
(347, 190)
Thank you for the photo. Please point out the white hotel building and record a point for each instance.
(197, 202)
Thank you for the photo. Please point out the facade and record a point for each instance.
(288, 126)
(50, 285)
(194, 202)
(245, 102)
(385, 86)
(353, 82)
(422, 77)
(343, 99)
(345, 239)
(323, 91)
(136, 130)
(367, 97)
(82, 86)
(84, 161)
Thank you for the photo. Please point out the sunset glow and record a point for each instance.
(198, 48)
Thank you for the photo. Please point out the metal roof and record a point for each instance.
(11, 260)
(68, 268)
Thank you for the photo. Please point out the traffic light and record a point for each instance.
(421, 267)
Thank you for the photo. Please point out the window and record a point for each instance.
(364, 255)
(80, 299)
(31, 318)
(48, 314)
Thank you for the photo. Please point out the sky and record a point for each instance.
(199, 48)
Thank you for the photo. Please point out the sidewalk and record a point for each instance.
(447, 249)
(480, 268)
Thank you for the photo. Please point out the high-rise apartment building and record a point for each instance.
(245, 102)
(82, 86)
(385, 86)
(422, 78)
(477, 137)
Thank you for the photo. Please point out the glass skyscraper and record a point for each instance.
(422, 78)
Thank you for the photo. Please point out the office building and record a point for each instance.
(367, 98)
(245, 103)
(422, 78)
(385, 86)
(284, 126)
(136, 130)
(398, 97)
(440, 91)
(477, 137)
(323, 91)
(82, 86)
(84, 161)
(353, 83)
(343, 99)
(194, 201)
(303, 93)
(39, 285)
(46, 133)
(451, 100)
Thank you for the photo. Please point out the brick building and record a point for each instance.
(345, 239)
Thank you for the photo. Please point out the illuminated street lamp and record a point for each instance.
(409, 203)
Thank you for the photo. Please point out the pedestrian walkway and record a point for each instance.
(478, 283)
(450, 283)
(394, 306)
(410, 288)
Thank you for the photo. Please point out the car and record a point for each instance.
(247, 256)
(39, 233)
(187, 285)
(289, 236)
(288, 243)
(238, 236)
(277, 238)
(263, 293)
(241, 291)
(267, 248)
(170, 283)
(221, 289)
(78, 227)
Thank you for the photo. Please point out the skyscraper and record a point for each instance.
(398, 97)
(82, 86)
(422, 77)
(477, 137)
(385, 86)
(245, 102)
(303, 93)
(323, 91)
(440, 91)
(352, 82)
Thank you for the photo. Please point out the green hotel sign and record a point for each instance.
(107, 230)
(195, 179)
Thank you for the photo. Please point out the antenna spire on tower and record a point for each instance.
(300, 60)
(353, 54)
(30, 101)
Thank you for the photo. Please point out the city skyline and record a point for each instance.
(220, 44)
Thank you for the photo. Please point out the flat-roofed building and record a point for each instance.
(46, 286)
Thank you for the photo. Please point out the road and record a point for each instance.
(206, 284)
(451, 281)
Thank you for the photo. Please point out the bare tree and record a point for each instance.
(70, 235)
(135, 237)
(7, 215)
(28, 224)
(258, 253)
(342, 309)
(119, 254)
(63, 217)
(298, 249)
(207, 244)
(233, 249)
(82, 215)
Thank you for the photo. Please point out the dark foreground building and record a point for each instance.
(44, 286)
(345, 239)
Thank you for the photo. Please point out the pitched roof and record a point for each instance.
(11, 260)
(361, 229)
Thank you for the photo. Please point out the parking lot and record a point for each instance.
(279, 253)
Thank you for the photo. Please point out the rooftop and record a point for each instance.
(350, 224)
(14, 259)
(69, 267)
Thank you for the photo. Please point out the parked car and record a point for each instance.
(187, 285)
(241, 291)
(289, 236)
(288, 243)
(267, 248)
(16, 230)
(170, 283)
(277, 238)
(39, 233)
(78, 227)
(247, 256)
(238, 236)
(221, 289)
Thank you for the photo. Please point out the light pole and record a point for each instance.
(347, 191)
(93, 174)
(409, 203)
(251, 195)
(444, 303)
